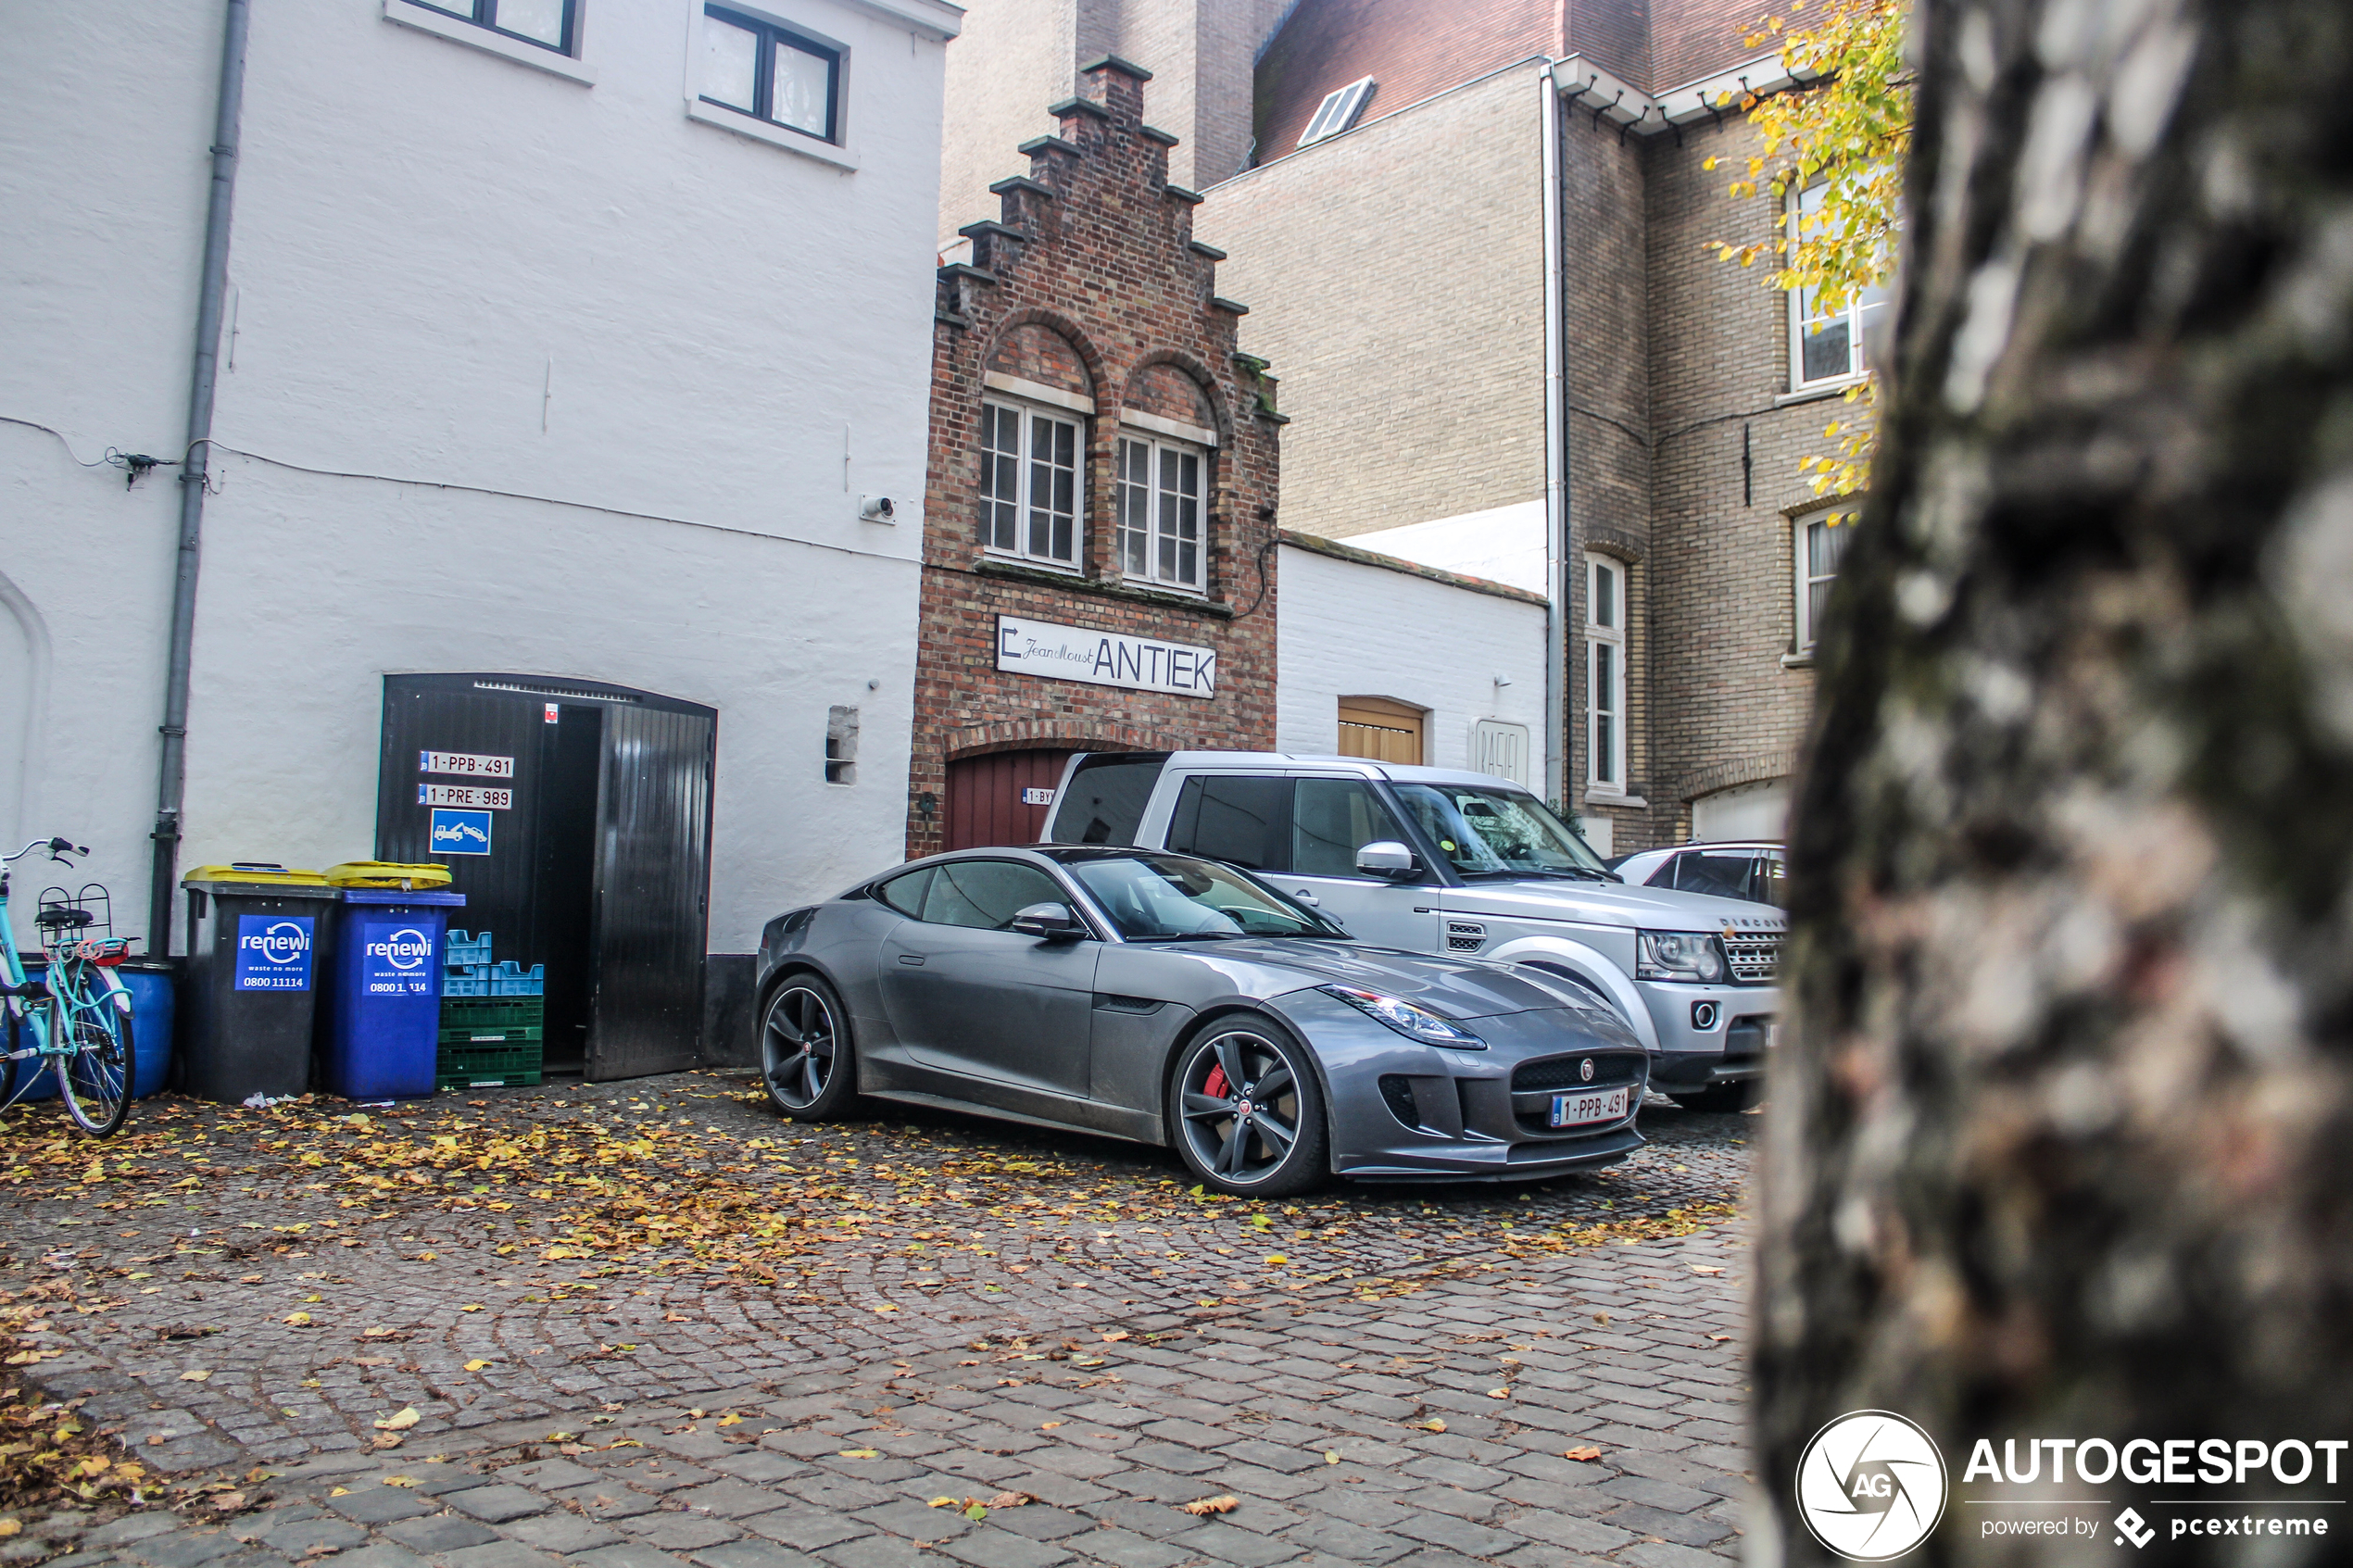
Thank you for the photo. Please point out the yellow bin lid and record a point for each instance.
(255, 871)
(387, 874)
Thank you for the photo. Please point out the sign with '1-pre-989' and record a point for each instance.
(474, 798)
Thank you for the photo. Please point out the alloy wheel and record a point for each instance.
(1240, 1107)
(799, 1044)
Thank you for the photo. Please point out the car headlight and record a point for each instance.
(1677, 955)
(1417, 1023)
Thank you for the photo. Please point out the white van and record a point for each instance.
(1435, 860)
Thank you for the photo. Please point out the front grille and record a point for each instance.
(1568, 1072)
(1465, 936)
(1754, 955)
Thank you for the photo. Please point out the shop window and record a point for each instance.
(841, 746)
(1819, 539)
(769, 72)
(1029, 490)
(1605, 671)
(1161, 488)
(545, 23)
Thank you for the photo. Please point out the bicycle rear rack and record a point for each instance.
(80, 925)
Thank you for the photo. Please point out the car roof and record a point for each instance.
(1283, 761)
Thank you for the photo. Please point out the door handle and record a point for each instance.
(1306, 898)
(911, 958)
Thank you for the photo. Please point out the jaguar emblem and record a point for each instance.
(1585, 1070)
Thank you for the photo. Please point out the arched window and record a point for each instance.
(1033, 450)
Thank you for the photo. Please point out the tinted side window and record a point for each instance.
(985, 894)
(1331, 819)
(905, 894)
(1724, 875)
(1243, 820)
(1105, 798)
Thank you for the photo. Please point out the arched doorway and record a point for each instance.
(1001, 797)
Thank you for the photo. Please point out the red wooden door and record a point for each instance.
(1002, 798)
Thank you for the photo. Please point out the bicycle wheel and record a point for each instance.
(94, 1071)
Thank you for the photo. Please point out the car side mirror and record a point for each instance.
(1051, 923)
(1386, 858)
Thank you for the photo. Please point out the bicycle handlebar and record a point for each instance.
(58, 849)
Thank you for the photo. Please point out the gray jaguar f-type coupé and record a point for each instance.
(1181, 1002)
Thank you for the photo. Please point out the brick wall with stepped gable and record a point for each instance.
(1090, 283)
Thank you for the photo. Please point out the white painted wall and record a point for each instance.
(1353, 630)
(596, 388)
(1501, 544)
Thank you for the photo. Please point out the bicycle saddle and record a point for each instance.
(61, 920)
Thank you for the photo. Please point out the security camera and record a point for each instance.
(877, 508)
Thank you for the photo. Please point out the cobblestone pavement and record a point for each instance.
(1373, 1374)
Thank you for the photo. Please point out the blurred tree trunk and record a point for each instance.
(2063, 1141)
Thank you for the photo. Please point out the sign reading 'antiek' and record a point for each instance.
(1104, 659)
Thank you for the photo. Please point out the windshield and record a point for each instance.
(1485, 831)
(1165, 898)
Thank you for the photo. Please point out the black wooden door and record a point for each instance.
(653, 883)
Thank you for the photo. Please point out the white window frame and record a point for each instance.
(1605, 645)
(1337, 112)
(1860, 312)
(1805, 579)
(1009, 523)
(1151, 524)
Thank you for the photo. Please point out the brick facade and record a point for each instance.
(1090, 284)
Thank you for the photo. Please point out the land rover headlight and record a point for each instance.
(1417, 1024)
(1679, 955)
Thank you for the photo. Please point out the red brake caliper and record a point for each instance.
(1216, 1087)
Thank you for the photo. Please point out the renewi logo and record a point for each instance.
(283, 942)
(405, 948)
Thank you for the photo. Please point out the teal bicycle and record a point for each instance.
(77, 1016)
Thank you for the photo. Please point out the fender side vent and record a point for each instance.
(1465, 936)
(1110, 1003)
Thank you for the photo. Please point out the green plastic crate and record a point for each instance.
(472, 1066)
(487, 1013)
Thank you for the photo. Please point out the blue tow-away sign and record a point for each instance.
(460, 833)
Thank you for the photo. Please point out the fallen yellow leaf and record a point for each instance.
(1276, 1260)
(944, 1502)
(400, 1421)
(340, 1492)
(1583, 1452)
(1498, 1393)
(1433, 1425)
(398, 1480)
(1048, 1425)
(1705, 1269)
(299, 1320)
(9, 1527)
(194, 1374)
(476, 1364)
(861, 1453)
(475, 1307)
(1213, 1505)
(731, 1419)
(1331, 1456)
(1010, 1500)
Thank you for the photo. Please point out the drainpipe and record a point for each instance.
(1557, 562)
(172, 780)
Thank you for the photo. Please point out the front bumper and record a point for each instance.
(1404, 1111)
(1733, 1047)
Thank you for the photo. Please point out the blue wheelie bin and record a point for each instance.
(384, 1006)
